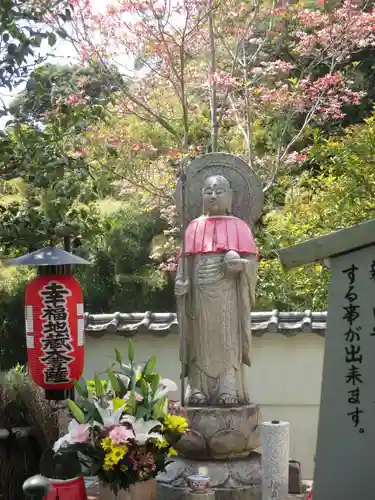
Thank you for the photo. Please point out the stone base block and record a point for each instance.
(170, 493)
(220, 432)
(238, 479)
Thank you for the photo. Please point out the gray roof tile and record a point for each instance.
(161, 324)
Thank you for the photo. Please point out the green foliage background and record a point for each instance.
(103, 178)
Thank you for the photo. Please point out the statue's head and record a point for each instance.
(217, 196)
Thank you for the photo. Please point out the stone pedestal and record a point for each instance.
(220, 443)
(220, 432)
(236, 479)
(184, 494)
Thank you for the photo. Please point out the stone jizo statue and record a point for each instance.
(215, 289)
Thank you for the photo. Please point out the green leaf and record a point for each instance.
(52, 39)
(81, 388)
(91, 412)
(36, 41)
(141, 412)
(159, 408)
(144, 387)
(155, 382)
(149, 366)
(131, 351)
(118, 356)
(76, 411)
(62, 32)
(98, 387)
(131, 406)
(123, 381)
(114, 381)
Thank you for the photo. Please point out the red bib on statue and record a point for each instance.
(219, 234)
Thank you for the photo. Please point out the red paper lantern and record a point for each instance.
(54, 331)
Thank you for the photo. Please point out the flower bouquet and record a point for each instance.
(122, 431)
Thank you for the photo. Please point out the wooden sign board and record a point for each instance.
(345, 465)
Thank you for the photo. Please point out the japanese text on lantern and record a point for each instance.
(353, 355)
(56, 335)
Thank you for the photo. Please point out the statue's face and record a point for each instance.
(217, 196)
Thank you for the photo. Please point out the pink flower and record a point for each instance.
(138, 397)
(121, 435)
(76, 99)
(82, 81)
(295, 158)
(79, 433)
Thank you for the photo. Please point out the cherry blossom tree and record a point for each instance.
(243, 62)
(253, 78)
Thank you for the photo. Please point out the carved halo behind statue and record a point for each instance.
(247, 189)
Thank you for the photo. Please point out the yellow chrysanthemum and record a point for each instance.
(107, 444)
(171, 452)
(108, 463)
(175, 423)
(161, 444)
(117, 453)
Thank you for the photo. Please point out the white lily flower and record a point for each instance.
(110, 417)
(142, 428)
(169, 384)
(166, 385)
(77, 433)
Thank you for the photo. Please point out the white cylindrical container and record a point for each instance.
(275, 459)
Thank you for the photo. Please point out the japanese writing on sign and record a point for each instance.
(56, 336)
(372, 278)
(353, 354)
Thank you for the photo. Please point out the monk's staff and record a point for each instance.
(183, 272)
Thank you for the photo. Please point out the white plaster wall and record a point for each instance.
(284, 379)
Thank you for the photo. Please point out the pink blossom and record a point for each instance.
(82, 81)
(79, 434)
(295, 158)
(121, 435)
(76, 99)
(272, 68)
(138, 397)
(221, 79)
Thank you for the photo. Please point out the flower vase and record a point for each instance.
(69, 489)
(145, 490)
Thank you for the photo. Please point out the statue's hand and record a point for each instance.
(235, 265)
(181, 287)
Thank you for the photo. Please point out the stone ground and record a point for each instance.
(92, 489)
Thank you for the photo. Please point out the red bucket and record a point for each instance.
(70, 489)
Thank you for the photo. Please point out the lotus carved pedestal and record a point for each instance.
(220, 444)
(220, 433)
